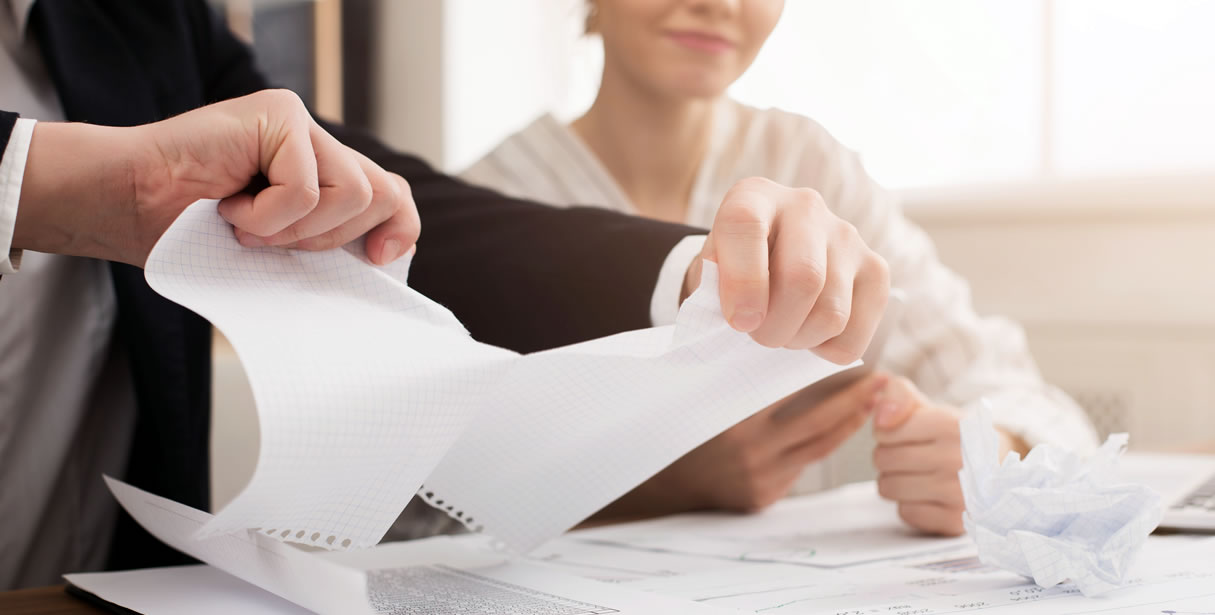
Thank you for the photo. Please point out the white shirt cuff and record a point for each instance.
(664, 305)
(12, 171)
(1046, 418)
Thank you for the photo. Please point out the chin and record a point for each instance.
(697, 85)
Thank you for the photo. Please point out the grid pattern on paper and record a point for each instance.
(365, 388)
(443, 590)
(325, 339)
(576, 427)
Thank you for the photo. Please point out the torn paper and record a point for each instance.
(1054, 516)
(431, 576)
(366, 388)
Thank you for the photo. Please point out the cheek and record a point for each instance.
(637, 52)
(757, 24)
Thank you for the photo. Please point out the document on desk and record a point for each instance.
(1169, 579)
(366, 389)
(1174, 575)
(807, 530)
(250, 573)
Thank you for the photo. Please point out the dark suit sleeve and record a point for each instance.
(7, 122)
(517, 274)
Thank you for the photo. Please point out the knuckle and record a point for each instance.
(283, 97)
(362, 194)
(753, 183)
(309, 198)
(411, 224)
(878, 265)
(808, 274)
(831, 317)
(741, 216)
(395, 189)
(809, 198)
(846, 233)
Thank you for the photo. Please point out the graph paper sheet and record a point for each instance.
(365, 389)
(361, 384)
(1054, 516)
(438, 576)
(285, 571)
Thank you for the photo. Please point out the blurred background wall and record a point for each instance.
(1060, 152)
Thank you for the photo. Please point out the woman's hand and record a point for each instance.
(753, 464)
(918, 456)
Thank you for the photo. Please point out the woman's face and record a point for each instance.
(683, 48)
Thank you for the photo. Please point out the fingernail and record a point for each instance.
(886, 412)
(390, 251)
(746, 320)
(250, 240)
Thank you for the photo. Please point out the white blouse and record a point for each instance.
(951, 353)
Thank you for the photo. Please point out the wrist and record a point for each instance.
(77, 192)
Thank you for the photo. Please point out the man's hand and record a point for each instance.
(918, 456)
(111, 192)
(793, 274)
(755, 463)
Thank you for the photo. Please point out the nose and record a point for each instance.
(715, 8)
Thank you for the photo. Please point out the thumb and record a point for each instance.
(863, 393)
(742, 268)
(893, 405)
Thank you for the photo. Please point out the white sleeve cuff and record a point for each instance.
(1041, 418)
(664, 304)
(12, 171)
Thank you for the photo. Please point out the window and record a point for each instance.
(939, 92)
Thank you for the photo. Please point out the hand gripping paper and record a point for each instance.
(365, 389)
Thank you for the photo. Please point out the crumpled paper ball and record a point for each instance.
(1055, 515)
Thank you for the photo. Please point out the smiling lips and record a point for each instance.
(701, 41)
